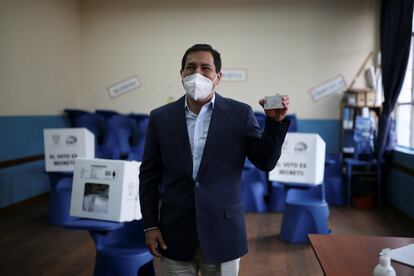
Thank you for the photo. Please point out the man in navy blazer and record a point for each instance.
(190, 191)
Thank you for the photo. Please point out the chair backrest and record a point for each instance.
(106, 113)
(250, 175)
(119, 132)
(73, 114)
(94, 123)
(142, 124)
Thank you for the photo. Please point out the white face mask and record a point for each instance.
(197, 86)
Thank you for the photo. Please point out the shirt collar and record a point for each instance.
(211, 102)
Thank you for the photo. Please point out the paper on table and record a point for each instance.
(403, 254)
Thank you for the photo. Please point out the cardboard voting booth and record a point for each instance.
(106, 189)
(64, 145)
(302, 160)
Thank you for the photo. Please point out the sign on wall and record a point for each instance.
(332, 86)
(234, 75)
(123, 87)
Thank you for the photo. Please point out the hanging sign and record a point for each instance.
(332, 86)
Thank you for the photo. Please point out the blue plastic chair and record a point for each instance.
(73, 114)
(118, 137)
(60, 196)
(333, 180)
(94, 123)
(141, 132)
(253, 191)
(120, 248)
(106, 113)
(277, 198)
(306, 212)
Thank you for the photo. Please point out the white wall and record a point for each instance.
(39, 56)
(65, 53)
(286, 46)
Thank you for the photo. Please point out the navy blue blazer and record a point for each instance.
(208, 211)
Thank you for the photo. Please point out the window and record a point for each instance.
(405, 106)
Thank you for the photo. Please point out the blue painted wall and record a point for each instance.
(22, 136)
(327, 129)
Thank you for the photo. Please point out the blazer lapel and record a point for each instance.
(180, 132)
(217, 126)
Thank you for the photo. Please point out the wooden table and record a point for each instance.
(355, 255)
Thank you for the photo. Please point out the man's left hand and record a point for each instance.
(277, 114)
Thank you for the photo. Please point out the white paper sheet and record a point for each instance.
(403, 255)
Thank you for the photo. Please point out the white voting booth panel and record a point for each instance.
(106, 189)
(302, 160)
(64, 145)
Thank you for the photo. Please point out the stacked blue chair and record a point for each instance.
(333, 180)
(253, 191)
(306, 212)
(119, 135)
(141, 132)
(120, 247)
(106, 113)
(60, 195)
(73, 114)
(93, 122)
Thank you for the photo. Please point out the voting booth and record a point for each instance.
(302, 160)
(106, 189)
(64, 145)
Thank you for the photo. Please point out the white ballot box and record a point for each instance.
(64, 145)
(106, 189)
(302, 160)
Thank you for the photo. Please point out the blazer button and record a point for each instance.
(197, 184)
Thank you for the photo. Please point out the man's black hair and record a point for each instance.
(205, 48)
